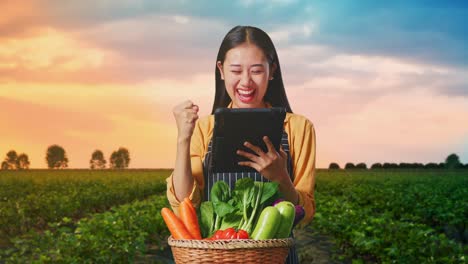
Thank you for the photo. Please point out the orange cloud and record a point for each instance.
(50, 51)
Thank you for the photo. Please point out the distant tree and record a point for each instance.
(387, 165)
(414, 165)
(4, 165)
(349, 165)
(404, 165)
(56, 157)
(119, 159)
(11, 160)
(97, 160)
(361, 165)
(452, 161)
(431, 165)
(23, 161)
(334, 166)
(376, 166)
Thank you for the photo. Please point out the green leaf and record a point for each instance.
(207, 218)
(270, 189)
(231, 220)
(222, 208)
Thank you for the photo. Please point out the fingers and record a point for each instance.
(283, 153)
(254, 148)
(251, 164)
(186, 111)
(269, 145)
(186, 105)
(248, 155)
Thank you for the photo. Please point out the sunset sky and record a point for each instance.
(382, 82)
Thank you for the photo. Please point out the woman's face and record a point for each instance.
(246, 73)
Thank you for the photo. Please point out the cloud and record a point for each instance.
(82, 120)
(152, 46)
(402, 127)
(49, 49)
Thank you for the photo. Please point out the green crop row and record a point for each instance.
(32, 199)
(116, 236)
(400, 217)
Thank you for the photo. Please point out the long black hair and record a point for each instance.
(275, 95)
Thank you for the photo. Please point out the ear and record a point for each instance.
(272, 71)
(220, 68)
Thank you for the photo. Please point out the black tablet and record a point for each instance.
(234, 126)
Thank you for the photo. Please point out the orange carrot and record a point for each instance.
(188, 216)
(187, 200)
(175, 226)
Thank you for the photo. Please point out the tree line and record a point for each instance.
(451, 162)
(56, 158)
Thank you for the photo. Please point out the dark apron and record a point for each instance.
(231, 178)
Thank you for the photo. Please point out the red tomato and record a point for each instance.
(229, 233)
(242, 234)
(218, 235)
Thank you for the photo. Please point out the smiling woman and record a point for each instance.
(248, 75)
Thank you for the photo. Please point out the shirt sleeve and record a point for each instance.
(196, 156)
(304, 167)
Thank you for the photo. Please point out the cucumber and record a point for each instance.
(287, 211)
(267, 224)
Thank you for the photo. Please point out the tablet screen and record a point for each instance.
(234, 126)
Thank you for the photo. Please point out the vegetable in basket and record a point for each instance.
(175, 226)
(229, 233)
(238, 209)
(300, 212)
(185, 227)
(275, 221)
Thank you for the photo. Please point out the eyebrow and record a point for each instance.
(253, 65)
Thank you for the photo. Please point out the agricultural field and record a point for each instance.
(373, 216)
(32, 199)
(395, 216)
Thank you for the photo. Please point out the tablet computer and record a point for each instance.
(234, 126)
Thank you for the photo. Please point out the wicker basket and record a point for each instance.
(230, 251)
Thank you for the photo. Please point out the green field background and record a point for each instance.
(112, 216)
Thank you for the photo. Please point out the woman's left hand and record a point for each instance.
(272, 165)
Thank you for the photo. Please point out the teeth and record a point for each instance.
(245, 92)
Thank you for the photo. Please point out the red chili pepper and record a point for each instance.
(242, 234)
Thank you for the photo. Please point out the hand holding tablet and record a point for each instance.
(235, 126)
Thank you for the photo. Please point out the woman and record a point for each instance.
(248, 75)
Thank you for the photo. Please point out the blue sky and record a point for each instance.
(381, 81)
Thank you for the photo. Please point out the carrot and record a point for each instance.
(188, 216)
(187, 200)
(175, 226)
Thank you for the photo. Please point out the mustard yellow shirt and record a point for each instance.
(301, 139)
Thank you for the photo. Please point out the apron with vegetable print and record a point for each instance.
(231, 178)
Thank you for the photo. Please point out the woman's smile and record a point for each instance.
(246, 96)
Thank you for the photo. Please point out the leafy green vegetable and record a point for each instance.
(207, 218)
(239, 208)
(220, 195)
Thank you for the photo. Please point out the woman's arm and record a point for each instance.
(303, 145)
(182, 176)
(186, 115)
